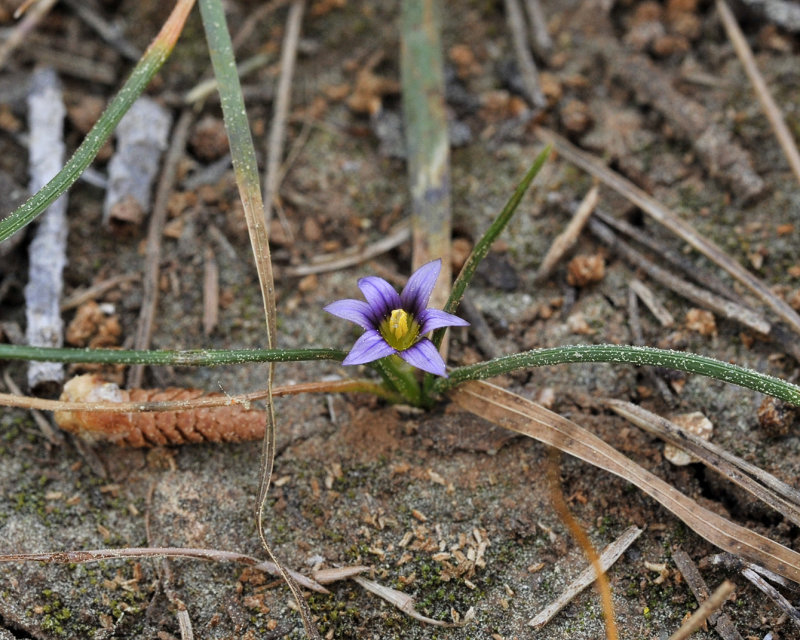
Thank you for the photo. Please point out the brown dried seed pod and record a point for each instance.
(231, 423)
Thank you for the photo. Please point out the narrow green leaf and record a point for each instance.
(640, 356)
(187, 358)
(484, 244)
(140, 77)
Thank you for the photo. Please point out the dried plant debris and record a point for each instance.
(233, 423)
(723, 157)
(141, 141)
(48, 251)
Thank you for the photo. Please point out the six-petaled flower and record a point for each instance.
(397, 323)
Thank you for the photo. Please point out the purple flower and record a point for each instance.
(396, 323)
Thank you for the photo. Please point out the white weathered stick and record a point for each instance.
(141, 140)
(48, 248)
(609, 556)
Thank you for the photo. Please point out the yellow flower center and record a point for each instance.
(400, 329)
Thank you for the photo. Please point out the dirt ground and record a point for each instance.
(416, 497)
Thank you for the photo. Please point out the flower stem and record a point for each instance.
(400, 376)
(689, 362)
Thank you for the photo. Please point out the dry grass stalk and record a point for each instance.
(771, 110)
(702, 297)
(771, 491)
(155, 232)
(582, 538)
(672, 221)
(569, 236)
(706, 608)
(97, 555)
(354, 255)
(277, 133)
(722, 623)
(646, 238)
(513, 412)
(22, 30)
(608, 557)
(210, 293)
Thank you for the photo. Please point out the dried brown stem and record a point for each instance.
(771, 110)
(714, 457)
(673, 222)
(277, 133)
(706, 609)
(560, 505)
(689, 291)
(97, 555)
(523, 416)
(152, 265)
(565, 240)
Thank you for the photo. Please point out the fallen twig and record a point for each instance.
(771, 110)
(767, 589)
(141, 139)
(608, 557)
(729, 466)
(48, 249)
(527, 66)
(405, 603)
(354, 255)
(691, 574)
(707, 608)
(727, 308)
(542, 42)
(155, 232)
(565, 240)
(673, 222)
(646, 295)
(724, 158)
(277, 133)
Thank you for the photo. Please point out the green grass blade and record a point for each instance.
(484, 244)
(140, 77)
(640, 356)
(186, 358)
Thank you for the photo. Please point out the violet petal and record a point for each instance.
(432, 319)
(381, 296)
(370, 346)
(356, 311)
(419, 286)
(423, 355)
